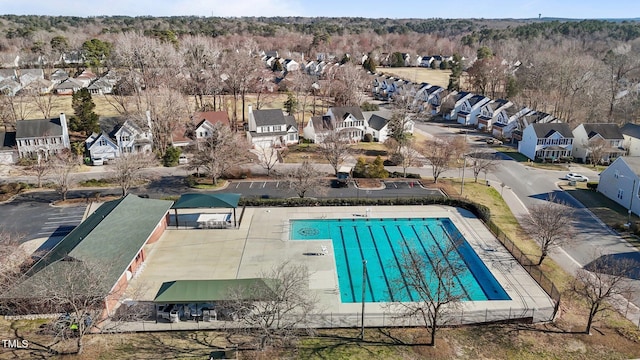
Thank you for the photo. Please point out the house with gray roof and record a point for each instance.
(111, 240)
(491, 112)
(58, 76)
(506, 122)
(9, 87)
(8, 153)
(631, 134)
(68, 87)
(119, 136)
(42, 137)
(550, 141)
(378, 124)
(620, 182)
(468, 110)
(455, 99)
(271, 128)
(605, 139)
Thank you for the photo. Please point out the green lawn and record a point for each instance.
(515, 155)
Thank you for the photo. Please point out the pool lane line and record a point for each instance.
(373, 298)
(384, 273)
(346, 259)
(384, 228)
(449, 263)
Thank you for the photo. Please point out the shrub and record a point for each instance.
(367, 138)
(171, 157)
(367, 106)
(96, 183)
(592, 185)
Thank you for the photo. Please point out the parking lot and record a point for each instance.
(280, 189)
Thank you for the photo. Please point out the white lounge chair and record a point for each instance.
(325, 251)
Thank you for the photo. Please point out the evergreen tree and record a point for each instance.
(456, 72)
(369, 65)
(85, 120)
(376, 169)
(397, 60)
(291, 104)
(96, 50)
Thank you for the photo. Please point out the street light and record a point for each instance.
(633, 187)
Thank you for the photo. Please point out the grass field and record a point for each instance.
(419, 75)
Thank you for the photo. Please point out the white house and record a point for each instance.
(631, 134)
(492, 112)
(378, 124)
(201, 127)
(469, 109)
(428, 98)
(620, 182)
(119, 136)
(271, 128)
(546, 141)
(348, 120)
(532, 117)
(290, 65)
(606, 137)
(101, 146)
(457, 98)
(507, 121)
(43, 136)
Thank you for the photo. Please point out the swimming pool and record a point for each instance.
(381, 242)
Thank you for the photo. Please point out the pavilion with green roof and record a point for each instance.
(207, 201)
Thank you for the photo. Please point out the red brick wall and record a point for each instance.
(159, 230)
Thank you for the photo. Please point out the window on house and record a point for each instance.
(127, 149)
(616, 174)
(125, 138)
(277, 128)
(620, 193)
(102, 142)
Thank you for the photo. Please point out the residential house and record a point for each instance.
(456, 99)
(199, 128)
(506, 122)
(85, 78)
(631, 134)
(349, 120)
(550, 141)
(42, 136)
(68, 87)
(425, 61)
(72, 58)
(290, 65)
(27, 76)
(113, 240)
(469, 109)
(428, 98)
(40, 87)
(100, 87)
(119, 136)
(271, 128)
(620, 182)
(9, 87)
(8, 153)
(607, 138)
(532, 117)
(58, 76)
(378, 124)
(8, 74)
(491, 111)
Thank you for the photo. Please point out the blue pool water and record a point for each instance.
(381, 243)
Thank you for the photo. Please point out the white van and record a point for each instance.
(97, 161)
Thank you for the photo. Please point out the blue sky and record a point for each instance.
(588, 9)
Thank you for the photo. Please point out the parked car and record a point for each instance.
(97, 161)
(576, 177)
(493, 141)
(183, 160)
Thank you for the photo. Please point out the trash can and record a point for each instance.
(572, 182)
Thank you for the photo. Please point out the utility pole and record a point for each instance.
(464, 164)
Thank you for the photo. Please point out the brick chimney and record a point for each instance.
(65, 131)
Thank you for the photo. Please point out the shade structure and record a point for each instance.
(207, 201)
(201, 291)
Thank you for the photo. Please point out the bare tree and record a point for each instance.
(127, 169)
(240, 69)
(305, 179)
(77, 288)
(550, 224)
(405, 155)
(268, 157)
(482, 162)
(602, 281)
(63, 164)
(596, 149)
(620, 64)
(40, 167)
(441, 152)
(220, 152)
(44, 102)
(430, 278)
(168, 110)
(277, 312)
(351, 83)
(335, 148)
(13, 257)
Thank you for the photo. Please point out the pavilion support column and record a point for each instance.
(176, 212)
(235, 223)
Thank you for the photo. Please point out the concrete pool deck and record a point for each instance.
(262, 242)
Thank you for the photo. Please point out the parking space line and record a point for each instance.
(62, 221)
(237, 185)
(264, 184)
(251, 185)
(277, 184)
(65, 217)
